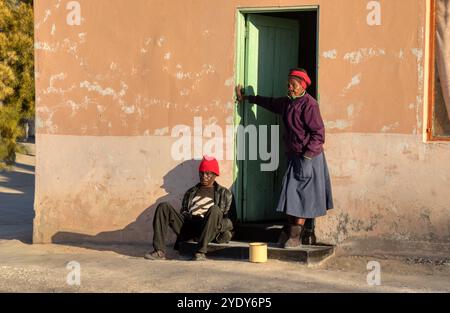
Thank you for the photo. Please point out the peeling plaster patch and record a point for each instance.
(229, 82)
(58, 4)
(52, 89)
(167, 56)
(72, 47)
(182, 75)
(419, 55)
(44, 46)
(206, 33)
(53, 29)
(82, 37)
(128, 109)
(47, 122)
(208, 68)
(332, 54)
(113, 66)
(124, 89)
(39, 122)
(401, 54)
(97, 88)
(230, 105)
(75, 107)
(411, 106)
(161, 41)
(216, 103)
(162, 131)
(356, 57)
(47, 14)
(421, 33)
(60, 76)
(419, 102)
(184, 92)
(387, 128)
(338, 124)
(356, 80)
(350, 110)
(101, 108)
(178, 66)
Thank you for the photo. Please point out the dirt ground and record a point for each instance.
(43, 268)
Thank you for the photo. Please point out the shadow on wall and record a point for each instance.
(176, 182)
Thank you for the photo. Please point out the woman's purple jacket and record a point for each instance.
(305, 131)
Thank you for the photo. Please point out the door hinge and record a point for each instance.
(428, 130)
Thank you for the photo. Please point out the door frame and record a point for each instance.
(239, 186)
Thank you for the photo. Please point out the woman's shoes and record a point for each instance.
(294, 232)
(309, 237)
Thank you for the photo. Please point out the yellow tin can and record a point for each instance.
(258, 252)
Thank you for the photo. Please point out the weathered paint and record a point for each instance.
(110, 91)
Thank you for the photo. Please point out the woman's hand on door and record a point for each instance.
(240, 93)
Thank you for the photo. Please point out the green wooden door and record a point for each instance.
(271, 50)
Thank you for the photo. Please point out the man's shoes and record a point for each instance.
(224, 237)
(199, 257)
(155, 255)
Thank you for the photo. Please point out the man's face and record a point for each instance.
(295, 89)
(207, 178)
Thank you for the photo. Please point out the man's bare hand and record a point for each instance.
(240, 93)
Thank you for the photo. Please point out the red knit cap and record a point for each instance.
(305, 81)
(209, 164)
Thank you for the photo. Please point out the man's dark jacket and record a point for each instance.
(223, 198)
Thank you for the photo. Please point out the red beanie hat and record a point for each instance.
(305, 81)
(209, 164)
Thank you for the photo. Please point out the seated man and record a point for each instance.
(203, 215)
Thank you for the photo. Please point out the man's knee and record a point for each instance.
(215, 210)
(163, 207)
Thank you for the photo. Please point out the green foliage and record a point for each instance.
(16, 73)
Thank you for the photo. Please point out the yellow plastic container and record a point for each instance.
(258, 252)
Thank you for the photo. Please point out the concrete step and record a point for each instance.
(240, 250)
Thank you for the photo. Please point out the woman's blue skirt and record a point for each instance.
(306, 190)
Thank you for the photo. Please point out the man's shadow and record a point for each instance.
(176, 182)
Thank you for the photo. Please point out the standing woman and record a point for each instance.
(306, 192)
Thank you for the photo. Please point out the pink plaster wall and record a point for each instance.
(110, 91)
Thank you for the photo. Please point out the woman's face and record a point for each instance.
(295, 89)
